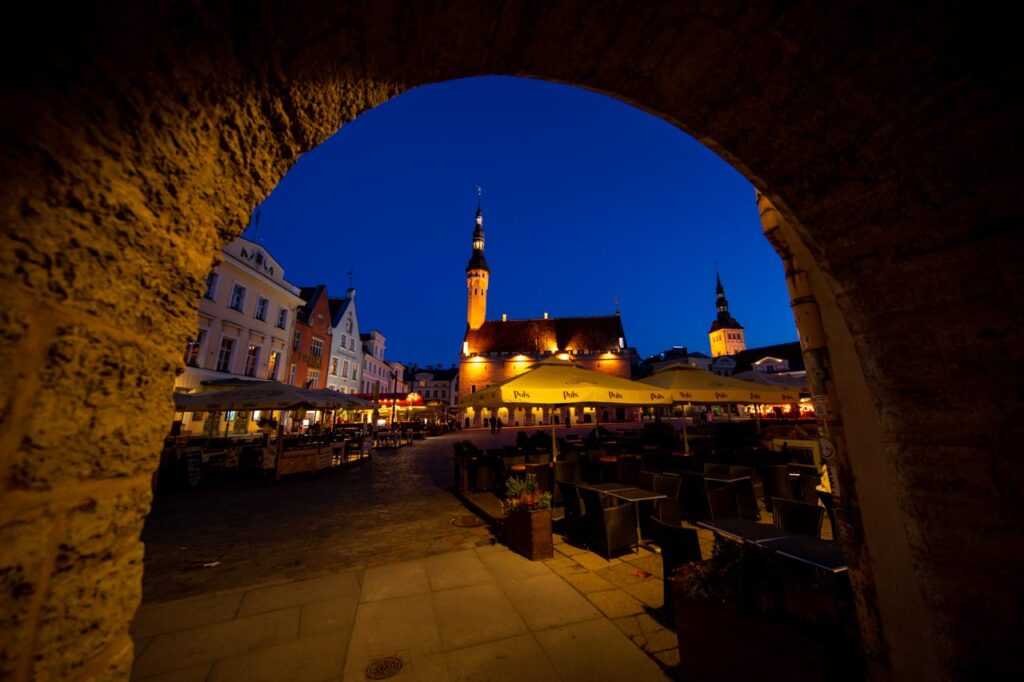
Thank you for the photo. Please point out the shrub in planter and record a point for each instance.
(528, 518)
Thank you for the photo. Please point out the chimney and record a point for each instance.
(504, 317)
(545, 316)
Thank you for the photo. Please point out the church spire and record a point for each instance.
(726, 335)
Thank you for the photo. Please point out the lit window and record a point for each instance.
(252, 360)
(211, 285)
(227, 346)
(291, 375)
(192, 349)
(344, 369)
(275, 360)
(261, 308)
(314, 378)
(334, 366)
(237, 298)
(282, 318)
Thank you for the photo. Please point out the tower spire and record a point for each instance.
(477, 271)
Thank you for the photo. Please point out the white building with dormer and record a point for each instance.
(344, 366)
(245, 320)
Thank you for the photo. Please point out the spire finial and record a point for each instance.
(616, 298)
(479, 195)
(350, 272)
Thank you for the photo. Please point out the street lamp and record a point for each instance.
(394, 396)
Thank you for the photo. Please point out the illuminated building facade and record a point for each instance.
(726, 333)
(496, 350)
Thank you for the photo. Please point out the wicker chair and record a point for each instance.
(798, 517)
(678, 546)
(775, 480)
(564, 471)
(693, 497)
(645, 479)
(627, 470)
(722, 502)
(669, 509)
(574, 528)
(611, 527)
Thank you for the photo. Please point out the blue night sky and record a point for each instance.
(584, 198)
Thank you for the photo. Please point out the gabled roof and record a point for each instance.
(725, 321)
(338, 307)
(310, 295)
(537, 336)
(785, 351)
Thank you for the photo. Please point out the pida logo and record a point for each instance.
(615, 395)
(657, 396)
(520, 394)
(569, 394)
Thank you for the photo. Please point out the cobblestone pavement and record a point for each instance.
(396, 506)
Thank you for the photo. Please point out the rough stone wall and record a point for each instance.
(136, 141)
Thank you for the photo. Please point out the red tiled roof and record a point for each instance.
(557, 333)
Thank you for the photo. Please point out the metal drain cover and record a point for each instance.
(383, 668)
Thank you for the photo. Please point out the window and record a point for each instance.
(282, 318)
(275, 360)
(344, 340)
(473, 388)
(211, 285)
(314, 378)
(192, 349)
(252, 360)
(334, 366)
(227, 346)
(261, 308)
(351, 344)
(344, 370)
(298, 340)
(237, 298)
(348, 325)
(317, 348)
(291, 375)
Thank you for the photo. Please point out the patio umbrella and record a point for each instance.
(692, 385)
(264, 396)
(558, 383)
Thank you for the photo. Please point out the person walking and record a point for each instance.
(500, 424)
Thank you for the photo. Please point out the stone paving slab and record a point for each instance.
(596, 650)
(307, 659)
(218, 640)
(340, 585)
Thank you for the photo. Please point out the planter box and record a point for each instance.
(529, 533)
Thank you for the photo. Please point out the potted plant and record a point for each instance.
(528, 518)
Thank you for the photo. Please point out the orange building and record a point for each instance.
(311, 340)
(495, 350)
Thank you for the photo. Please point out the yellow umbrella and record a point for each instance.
(692, 385)
(557, 382)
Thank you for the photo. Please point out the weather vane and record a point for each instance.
(349, 273)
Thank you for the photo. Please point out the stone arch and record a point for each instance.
(135, 143)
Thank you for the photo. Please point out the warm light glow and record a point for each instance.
(465, 347)
(563, 356)
(608, 356)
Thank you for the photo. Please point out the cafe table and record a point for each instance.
(636, 496)
(744, 530)
(606, 487)
(822, 554)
